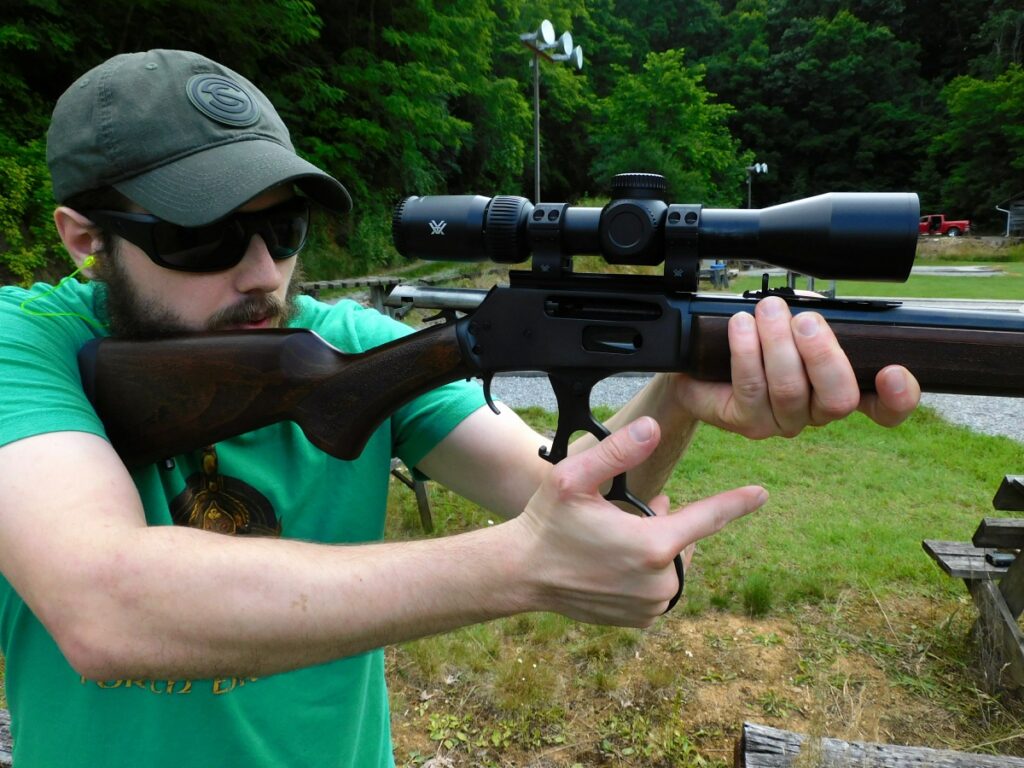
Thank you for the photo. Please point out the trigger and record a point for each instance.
(487, 393)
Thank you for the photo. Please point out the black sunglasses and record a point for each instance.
(212, 247)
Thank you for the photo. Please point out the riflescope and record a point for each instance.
(839, 235)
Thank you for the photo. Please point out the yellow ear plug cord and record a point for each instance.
(89, 261)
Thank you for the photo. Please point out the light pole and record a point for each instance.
(751, 170)
(542, 42)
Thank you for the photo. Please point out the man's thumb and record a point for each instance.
(620, 451)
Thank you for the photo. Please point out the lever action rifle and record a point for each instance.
(164, 397)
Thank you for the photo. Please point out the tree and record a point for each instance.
(662, 120)
(1002, 34)
(980, 154)
(46, 44)
(836, 105)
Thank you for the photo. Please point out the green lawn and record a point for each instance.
(850, 504)
(829, 577)
(1007, 285)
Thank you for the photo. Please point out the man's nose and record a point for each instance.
(257, 271)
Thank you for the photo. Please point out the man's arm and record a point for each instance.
(126, 600)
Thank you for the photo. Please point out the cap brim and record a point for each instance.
(203, 187)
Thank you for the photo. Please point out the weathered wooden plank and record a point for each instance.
(763, 747)
(1012, 587)
(1010, 496)
(1001, 648)
(5, 739)
(1007, 532)
(962, 560)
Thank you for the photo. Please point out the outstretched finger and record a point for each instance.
(708, 516)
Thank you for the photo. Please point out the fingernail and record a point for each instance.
(772, 307)
(641, 430)
(805, 324)
(762, 498)
(896, 380)
(743, 322)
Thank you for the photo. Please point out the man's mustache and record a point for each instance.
(250, 310)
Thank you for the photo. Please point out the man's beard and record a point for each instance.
(131, 317)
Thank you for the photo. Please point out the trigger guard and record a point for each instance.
(572, 393)
(619, 492)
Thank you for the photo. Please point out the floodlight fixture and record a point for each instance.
(751, 170)
(575, 58)
(564, 44)
(544, 36)
(543, 42)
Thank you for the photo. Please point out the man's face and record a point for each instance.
(146, 300)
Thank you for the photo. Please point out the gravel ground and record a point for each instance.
(988, 415)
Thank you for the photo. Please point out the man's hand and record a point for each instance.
(591, 561)
(788, 373)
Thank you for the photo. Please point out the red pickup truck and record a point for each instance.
(938, 224)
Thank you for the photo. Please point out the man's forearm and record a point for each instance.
(127, 600)
(185, 603)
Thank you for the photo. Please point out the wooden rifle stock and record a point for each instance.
(164, 397)
(955, 360)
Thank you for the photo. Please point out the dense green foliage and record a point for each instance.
(400, 97)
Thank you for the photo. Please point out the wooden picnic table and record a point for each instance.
(992, 569)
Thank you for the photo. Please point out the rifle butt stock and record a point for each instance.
(165, 397)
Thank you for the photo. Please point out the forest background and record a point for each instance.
(401, 97)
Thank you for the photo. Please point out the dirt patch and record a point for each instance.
(896, 671)
(977, 247)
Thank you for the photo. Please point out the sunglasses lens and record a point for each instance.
(285, 231)
(223, 244)
(199, 249)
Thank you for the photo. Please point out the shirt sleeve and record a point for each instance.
(40, 387)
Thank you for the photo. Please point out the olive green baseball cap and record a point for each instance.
(182, 136)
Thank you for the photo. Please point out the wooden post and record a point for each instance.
(762, 747)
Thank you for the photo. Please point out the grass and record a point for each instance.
(820, 613)
(1006, 260)
(830, 572)
(850, 504)
(1008, 285)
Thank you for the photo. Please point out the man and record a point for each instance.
(134, 631)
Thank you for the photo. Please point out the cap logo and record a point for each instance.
(222, 99)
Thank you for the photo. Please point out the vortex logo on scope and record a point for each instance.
(222, 99)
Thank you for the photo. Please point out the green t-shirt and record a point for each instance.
(332, 714)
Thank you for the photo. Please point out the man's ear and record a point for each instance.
(80, 236)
